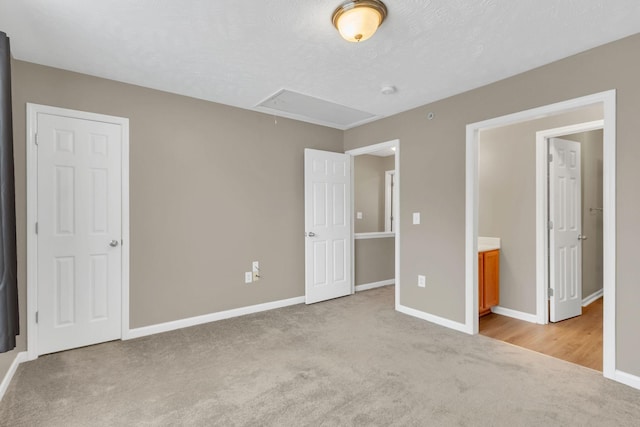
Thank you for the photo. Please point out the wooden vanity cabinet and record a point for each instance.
(488, 280)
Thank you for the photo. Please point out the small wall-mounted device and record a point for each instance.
(255, 268)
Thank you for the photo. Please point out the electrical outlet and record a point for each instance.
(255, 268)
(422, 281)
(248, 276)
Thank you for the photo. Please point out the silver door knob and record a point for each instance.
(581, 237)
(113, 243)
(311, 234)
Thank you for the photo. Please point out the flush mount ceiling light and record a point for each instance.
(358, 20)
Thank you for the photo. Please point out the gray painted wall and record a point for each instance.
(369, 175)
(375, 260)
(213, 188)
(591, 162)
(507, 201)
(432, 156)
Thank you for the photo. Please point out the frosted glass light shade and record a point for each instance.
(358, 20)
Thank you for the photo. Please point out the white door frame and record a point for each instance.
(394, 145)
(542, 212)
(608, 100)
(390, 206)
(32, 209)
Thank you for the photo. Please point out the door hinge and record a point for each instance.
(549, 293)
(37, 312)
(550, 158)
(36, 228)
(550, 225)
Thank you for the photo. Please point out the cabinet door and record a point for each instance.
(481, 282)
(491, 278)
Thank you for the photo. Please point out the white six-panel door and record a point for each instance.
(565, 238)
(327, 183)
(79, 232)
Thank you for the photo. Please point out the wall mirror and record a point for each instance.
(374, 205)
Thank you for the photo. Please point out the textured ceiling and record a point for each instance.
(242, 52)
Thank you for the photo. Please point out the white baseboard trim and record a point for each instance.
(213, 317)
(591, 298)
(515, 314)
(4, 385)
(461, 327)
(374, 285)
(628, 379)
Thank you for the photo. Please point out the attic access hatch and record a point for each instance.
(294, 105)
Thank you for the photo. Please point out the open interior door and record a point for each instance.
(327, 188)
(565, 238)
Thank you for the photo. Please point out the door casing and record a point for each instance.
(608, 100)
(32, 208)
(390, 201)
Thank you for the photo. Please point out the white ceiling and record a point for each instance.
(241, 53)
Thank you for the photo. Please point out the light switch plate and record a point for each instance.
(416, 218)
(359, 215)
(248, 277)
(422, 281)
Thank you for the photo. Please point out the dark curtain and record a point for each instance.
(9, 322)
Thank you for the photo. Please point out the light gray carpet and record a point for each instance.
(351, 361)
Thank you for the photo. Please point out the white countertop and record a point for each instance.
(374, 235)
(488, 244)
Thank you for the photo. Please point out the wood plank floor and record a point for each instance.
(577, 340)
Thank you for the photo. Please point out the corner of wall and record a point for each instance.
(20, 357)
